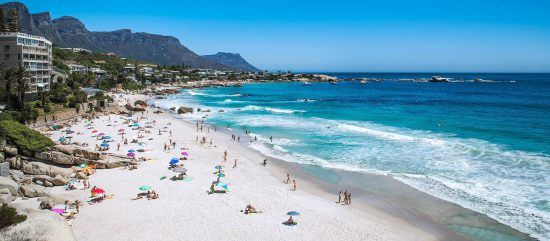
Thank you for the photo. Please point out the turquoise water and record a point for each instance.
(484, 146)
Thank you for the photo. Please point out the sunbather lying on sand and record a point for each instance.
(250, 209)
(290, 222)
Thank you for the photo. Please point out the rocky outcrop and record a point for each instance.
(38, 168)
(232, 60)
(8, 189)
(185, 110)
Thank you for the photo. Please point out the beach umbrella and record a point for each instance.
(83, 165)
(293, 213)
(173, 162)
(142, 144)
(62, 139)
(220, 174)
(185, 153)
(104, 145)
(131, 150)
(101, 134)
(145, 188)
(131, 154)
(222, 185)
(98, 191)
(120, 130)
(94, 131)
(218, 167)
(106, 137)
(180, 170)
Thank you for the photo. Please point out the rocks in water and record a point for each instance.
(221, 111)
(185, 110)
(173, 108)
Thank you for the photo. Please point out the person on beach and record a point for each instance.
(77, 204)
(235, 164)
(265, 162)
(339, 196)
(118, 147)
(126, 141)
(294, 184)
(239, 139)
(287, 178)
(255, 138)
(271, 138)
(349, 198)
(346, 197)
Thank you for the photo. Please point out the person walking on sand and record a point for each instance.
(265, 162)
(349, 198)
(294, 184)
(271, 138)
(126, 141)
(118, 147)
(339, 196)
(235, 164)
(287, 178)
(346, 197)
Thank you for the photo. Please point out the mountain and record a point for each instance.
(70, 32)
(232, 60)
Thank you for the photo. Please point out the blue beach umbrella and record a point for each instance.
(221, 175)
(106, 137)
(131, 150)
(62, 139)
(222, 185)
(293, 213)
(174, 161)
(218, 167)
(104, 145)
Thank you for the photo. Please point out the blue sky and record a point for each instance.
(371, 36)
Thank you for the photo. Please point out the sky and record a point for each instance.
(339, 36)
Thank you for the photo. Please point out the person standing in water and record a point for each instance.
(271, 138)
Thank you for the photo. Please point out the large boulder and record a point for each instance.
(31, 191)
(67, 149)
(9, 184)
(38, 168)
(59, 181)
(55, 157)
(11, 150)
(184, 110)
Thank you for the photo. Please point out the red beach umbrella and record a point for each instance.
(98, 191)
(94, 131)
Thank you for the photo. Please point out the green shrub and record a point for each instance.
(6, 116)
(25, 138)
(9, 216)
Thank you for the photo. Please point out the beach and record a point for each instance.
(186, 211)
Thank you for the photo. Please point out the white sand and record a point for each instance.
(185, 211)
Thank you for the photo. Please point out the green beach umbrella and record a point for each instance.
(145, 188)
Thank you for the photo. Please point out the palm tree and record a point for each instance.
(21, 76)
(43, 96)
(9, 76)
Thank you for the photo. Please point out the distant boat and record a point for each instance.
(306, 83)
(439, 79)
(363, 82)
(478, 80)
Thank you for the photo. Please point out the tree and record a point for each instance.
(9, 77)
(44, 98)
(21, 76)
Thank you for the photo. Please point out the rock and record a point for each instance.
(6, 197)
(59, 181)
(67, 149)
(61, 158)
(38, 168)
(172, 108)
(41, 183)
(221, 111)
(2, 157)
(184, 110)
(139, 108)
(31, 191)
(11, 185)
(48, 183)
(11, 150)
(206, 111)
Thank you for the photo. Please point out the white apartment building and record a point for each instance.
(32, 52)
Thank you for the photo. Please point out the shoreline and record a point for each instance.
(446, 221)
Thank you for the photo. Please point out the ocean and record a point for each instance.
(482, 145)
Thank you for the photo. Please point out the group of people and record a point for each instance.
(347, 197)
(294, 185)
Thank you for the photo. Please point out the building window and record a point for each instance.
(19, 56)
(6, 56)
(6, 48)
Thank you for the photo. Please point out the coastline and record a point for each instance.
(383, 195)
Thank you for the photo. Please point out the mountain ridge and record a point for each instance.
(70, 32)
(234, 60)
